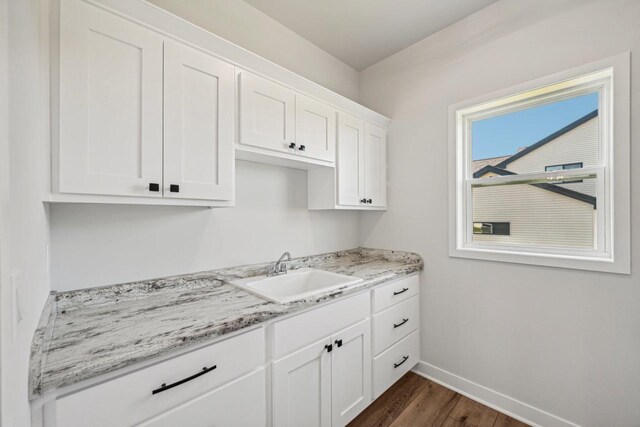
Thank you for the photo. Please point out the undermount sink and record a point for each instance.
(295, 285)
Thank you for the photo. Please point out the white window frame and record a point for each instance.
(612, 250)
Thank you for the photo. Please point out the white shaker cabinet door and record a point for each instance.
(267, 114)
(351, 372)
(375, 165)
(110, 110)
(350, 161)
(315, 129)
(302, 387)
(198, 124)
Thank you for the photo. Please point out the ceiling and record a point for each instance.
(363, 32)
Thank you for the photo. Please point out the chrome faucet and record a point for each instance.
(280, 267)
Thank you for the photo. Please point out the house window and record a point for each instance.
(563, 167)
(495, 228)
(539, 161)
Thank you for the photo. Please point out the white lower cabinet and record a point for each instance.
(138, 396)
(328, 382)
(351, 372)
(302, 387)
(239, 403)
(327, 365)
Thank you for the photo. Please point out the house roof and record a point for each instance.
(549, 187)
(491, 161)
(548, 139)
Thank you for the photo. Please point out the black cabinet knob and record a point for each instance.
(363, 200)
(292, 145)
(302, 148)
(154, 186)
(369, 201)
(339, 343)
(174, 188)
(329, 348)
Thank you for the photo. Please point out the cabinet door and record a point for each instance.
(239, 403)
(351, 372)
(349, 164)
(375, 165)
(110, 139)
(302, 388)
(198, 124)
(266, 113)
(315, 129)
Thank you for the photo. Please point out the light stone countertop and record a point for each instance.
(86, 333)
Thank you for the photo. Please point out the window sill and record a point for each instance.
(603, 263)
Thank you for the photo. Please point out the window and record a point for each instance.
(495, 228)
(533, 171)
(565, 166)
(562, 167)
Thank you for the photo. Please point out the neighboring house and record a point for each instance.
(550, 215)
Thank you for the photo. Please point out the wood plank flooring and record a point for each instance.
(416, 401)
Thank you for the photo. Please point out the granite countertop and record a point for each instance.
(86, 333)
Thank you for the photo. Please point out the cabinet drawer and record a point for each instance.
(395, 323)
(389, 366)
(239, 403)
(128, 399)
(298, 331)
(393, 293)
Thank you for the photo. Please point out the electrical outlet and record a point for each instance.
(16, 303)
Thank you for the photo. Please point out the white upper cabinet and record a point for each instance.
(375, 165)
(315, 129)
(110, 108)
(267, 113)
(142, 116)
(350, 161)
(360, 177)
(287, 124)
(198, 124)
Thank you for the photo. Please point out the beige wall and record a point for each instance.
(251, 29)
(563, 341)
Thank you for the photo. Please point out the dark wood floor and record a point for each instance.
(416, 401)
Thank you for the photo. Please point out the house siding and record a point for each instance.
(537, 216)
(577, 145)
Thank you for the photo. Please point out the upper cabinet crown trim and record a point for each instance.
(178, 28)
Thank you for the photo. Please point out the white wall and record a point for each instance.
(564, 341)
(96, 245)
(24, 230)
(253, 30)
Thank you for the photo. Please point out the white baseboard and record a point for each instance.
(514, 408)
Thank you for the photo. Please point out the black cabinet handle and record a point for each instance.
(401, 292)
(397, 325)
(329, 347)
(363, 200)
(369, 201)
(154, 186)
(302, 148)
(174, 188)
(339, 343)
(165, 387)
(404, 359)
(292, 145)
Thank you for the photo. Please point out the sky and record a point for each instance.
(503, 135)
